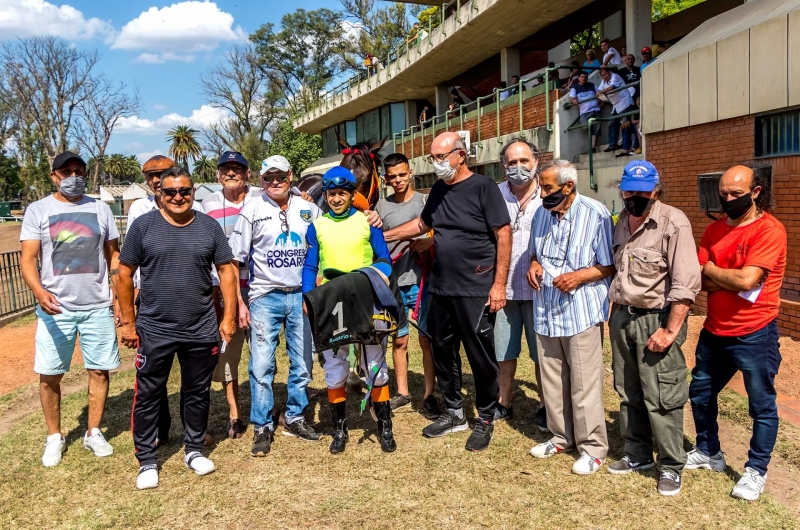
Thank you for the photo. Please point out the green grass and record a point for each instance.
(426, 483)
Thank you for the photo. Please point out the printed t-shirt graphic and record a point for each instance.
(76, 242)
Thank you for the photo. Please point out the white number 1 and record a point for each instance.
(337, 311)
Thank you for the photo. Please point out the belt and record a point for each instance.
(643, 311)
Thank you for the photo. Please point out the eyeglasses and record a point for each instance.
(441, 158)
(284, 222)
(272, 177)
(171, 192)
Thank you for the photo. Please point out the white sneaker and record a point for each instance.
(53, 449)
(95, 441)
(198, 463)
(750, 486)
(545, 450)
(586, 464)
(147, 478)
(695, 459)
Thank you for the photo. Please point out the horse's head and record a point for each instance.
(363, 159)
(312, 184)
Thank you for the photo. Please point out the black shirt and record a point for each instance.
(631, 75)
(175, 264)
(463, 217)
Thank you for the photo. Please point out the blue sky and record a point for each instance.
(162, 47)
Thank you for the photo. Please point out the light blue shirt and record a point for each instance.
(581, 239)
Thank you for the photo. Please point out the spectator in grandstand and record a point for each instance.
(611, 56)
(631, 73)
(584, 95)
(520, 159)
(233, 173)
(647, 57)
(571, 261)
(425, 116)
(455, 100)
(502, 90)
(743, 259)
(408, 261)
(175, 316)
(657, 279)
(515, 87)
(417, 35)
(591, 60)
(623, 51)
(75, 239)
(574, 75)
(622, 102)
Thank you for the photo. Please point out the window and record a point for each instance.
(424, 182)
(778, 134)
(494, 171)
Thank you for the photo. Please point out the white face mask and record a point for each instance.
(443, 170)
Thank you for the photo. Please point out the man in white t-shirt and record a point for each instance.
(622, 100)
(233, 172)
(520, 159)
(75, 239)
(611, 56)
(270, 240)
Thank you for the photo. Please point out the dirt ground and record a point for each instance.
(9, 237)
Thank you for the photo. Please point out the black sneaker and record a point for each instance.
(481, 436)
(501, 412)
(446, 423)
(399, 401)
(262, 440)
(669, 483)
(541, 420)
(431, 407)
(627, 465)
(300, 429)
(610, 149)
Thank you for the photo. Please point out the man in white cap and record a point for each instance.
(233, 173)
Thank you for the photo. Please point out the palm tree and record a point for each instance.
(132, 168)
(114, 166)
(205, 169)
(184, 145)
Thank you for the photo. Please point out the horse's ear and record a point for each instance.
(342, 142)
(378, 145)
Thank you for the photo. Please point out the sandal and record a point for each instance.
(235, 429)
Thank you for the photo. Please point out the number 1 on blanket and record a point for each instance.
(337, 311)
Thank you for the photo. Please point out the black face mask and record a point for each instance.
(636, 205)
(735, 208)
(553, 200)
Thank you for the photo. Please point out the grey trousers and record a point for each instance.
(652, 387)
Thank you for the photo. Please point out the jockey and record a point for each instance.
(345, 242)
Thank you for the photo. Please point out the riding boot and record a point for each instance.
(384, 414)
(340, 435)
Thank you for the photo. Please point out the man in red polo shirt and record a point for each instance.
(743, 257)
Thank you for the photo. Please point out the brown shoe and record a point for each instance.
(235, 429)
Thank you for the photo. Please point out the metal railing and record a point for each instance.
(15, 296)
(122, 227)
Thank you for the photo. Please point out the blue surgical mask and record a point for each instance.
(72, 186)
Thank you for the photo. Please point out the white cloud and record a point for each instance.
(27, 18)
(200, 118)
(144, 157)
(177, 32)
(159, 107)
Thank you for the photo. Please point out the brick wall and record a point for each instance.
(682, 154)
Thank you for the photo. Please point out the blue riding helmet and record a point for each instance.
(338, 177)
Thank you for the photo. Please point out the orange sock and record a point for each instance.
(337, 395)
(380, 393)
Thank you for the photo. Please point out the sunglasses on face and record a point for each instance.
(171, 192)
(272, 177)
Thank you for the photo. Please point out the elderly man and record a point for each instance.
(622, 101)
(571, 261)
(269, 240)
(75, 239)
(657, 279)
(175, 315)
(233, 172)
(744, 259)
(520, 159)
(472, 247)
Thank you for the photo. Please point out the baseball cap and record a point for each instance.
(639, 175)
(275, 163)
(338, 177)
(647, 49)
(157, 163)
(232, 156)
(65, 157)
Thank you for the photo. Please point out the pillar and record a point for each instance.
(638, 26)
(411, 112)
(509, 64)
(613, 27)
(442, 99)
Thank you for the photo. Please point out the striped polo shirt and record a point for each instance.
(581, 239)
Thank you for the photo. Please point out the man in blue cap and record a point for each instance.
(658, 277)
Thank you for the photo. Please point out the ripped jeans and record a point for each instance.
(267, 314)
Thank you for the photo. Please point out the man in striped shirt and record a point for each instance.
(571, 261)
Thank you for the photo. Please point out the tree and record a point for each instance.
(588, 38)
(120, 168)
(205, 169)
(46, 80)
(34, 163)
(380, 30)
(665, 8)
(100, 111)
(301, 58)
(10, 183)
(183, 145)
(300, 149)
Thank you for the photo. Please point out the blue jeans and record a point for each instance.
(628, 133)
(409, 293)
(267, 314)
(758, 357)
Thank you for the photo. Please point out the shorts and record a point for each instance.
(227, 369)
(512, 320)
(56, 337)
(410, 293)
(595, 125)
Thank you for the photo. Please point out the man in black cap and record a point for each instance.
(76, 240)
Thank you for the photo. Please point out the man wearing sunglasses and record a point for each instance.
(170, 246)
(269, 240)
(233, 173)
